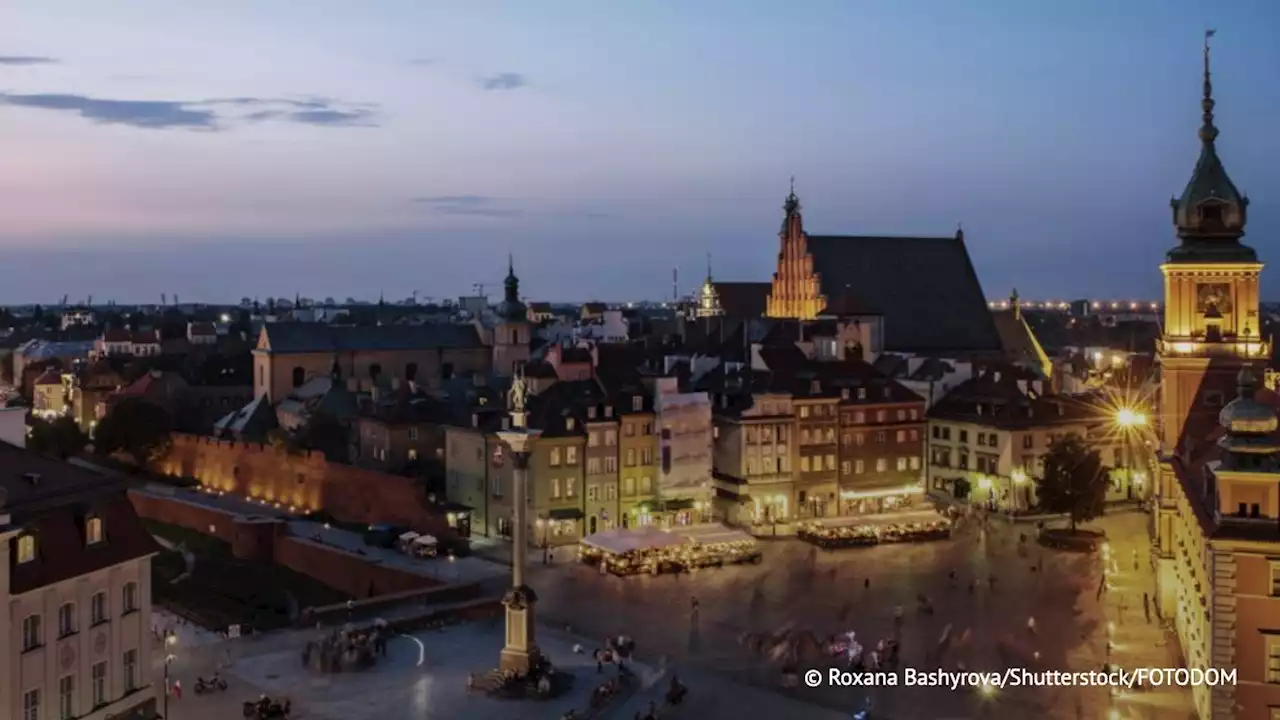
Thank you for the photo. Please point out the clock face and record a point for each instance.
(1216, 295)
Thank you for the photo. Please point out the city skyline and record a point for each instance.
(404, 150)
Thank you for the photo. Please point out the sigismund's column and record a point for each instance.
(520, 652)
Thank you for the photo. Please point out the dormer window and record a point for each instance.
(844, 393)
(591, 412)
(568, 424)
(92, 530)
(1212, 215)
(608, 411)
(637, 403)
(815, 387)
(862, 393)
(26, 548)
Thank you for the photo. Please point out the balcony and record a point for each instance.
(1228, 346)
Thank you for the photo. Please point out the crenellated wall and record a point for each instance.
(266, 539)
(304, 480)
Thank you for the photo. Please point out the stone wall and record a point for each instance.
(303, 480)
(264, 539)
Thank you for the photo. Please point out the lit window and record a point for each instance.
(569, 488)
(571, 456)
(554, 460)
(26, 548)
(93, 530)
(555, 488)
(1275, 579)
(881, 464)
(1273, 660)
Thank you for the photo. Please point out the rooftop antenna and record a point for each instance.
(675, 285)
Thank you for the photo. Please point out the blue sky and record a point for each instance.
(235, 148)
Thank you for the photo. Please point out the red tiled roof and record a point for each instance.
(49, 377)
(54, 506)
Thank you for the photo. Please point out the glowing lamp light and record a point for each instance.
(1019, 477)
(1097, 357)
(1183, 347)
(988, 690)
(984, 483)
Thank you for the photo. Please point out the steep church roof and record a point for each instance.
(924, 287)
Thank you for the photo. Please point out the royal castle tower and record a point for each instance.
(1211, 333)
(1211, 324)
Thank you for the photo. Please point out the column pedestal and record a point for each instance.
(520, 651)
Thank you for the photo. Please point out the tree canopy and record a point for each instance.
(60, 437)
(1074, 481)
(135, 427)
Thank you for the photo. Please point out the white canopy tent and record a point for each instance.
(619, 540)
(408, 537)
(712, 534)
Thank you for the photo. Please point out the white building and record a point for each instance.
(75, 630)
(685, 428)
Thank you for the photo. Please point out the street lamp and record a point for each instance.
(1020, 480)
(1130, 421)
(544, 524)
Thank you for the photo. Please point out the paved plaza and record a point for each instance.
(826, 592)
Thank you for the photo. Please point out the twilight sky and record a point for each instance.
(233, 148)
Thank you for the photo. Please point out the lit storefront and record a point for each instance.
(882, 500)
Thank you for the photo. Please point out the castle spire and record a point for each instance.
(708, 267)
(1208, 133)
(1211, 214)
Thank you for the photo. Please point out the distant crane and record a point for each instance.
(479, 288)
(64, 301)
(164, 299)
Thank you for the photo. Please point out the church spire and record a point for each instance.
(708, 268)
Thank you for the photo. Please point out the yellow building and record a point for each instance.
(1216, 543)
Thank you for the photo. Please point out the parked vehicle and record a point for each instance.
(383, 536)
(210, 684)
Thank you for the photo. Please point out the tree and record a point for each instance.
(1074, 482)
(136, 427)
(60, 437)
(326, 433)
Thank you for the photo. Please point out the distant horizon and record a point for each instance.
(414, 147)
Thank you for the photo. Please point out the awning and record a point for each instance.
(424, 540)
(675, 505)
(620, 540)
(712, 534)
(565, 514)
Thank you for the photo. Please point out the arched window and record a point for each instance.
(374, 371)
(410, 371)
(299, 376)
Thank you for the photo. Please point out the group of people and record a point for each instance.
(345, 650)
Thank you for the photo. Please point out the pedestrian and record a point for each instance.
(177, 689)
(1146, 606)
